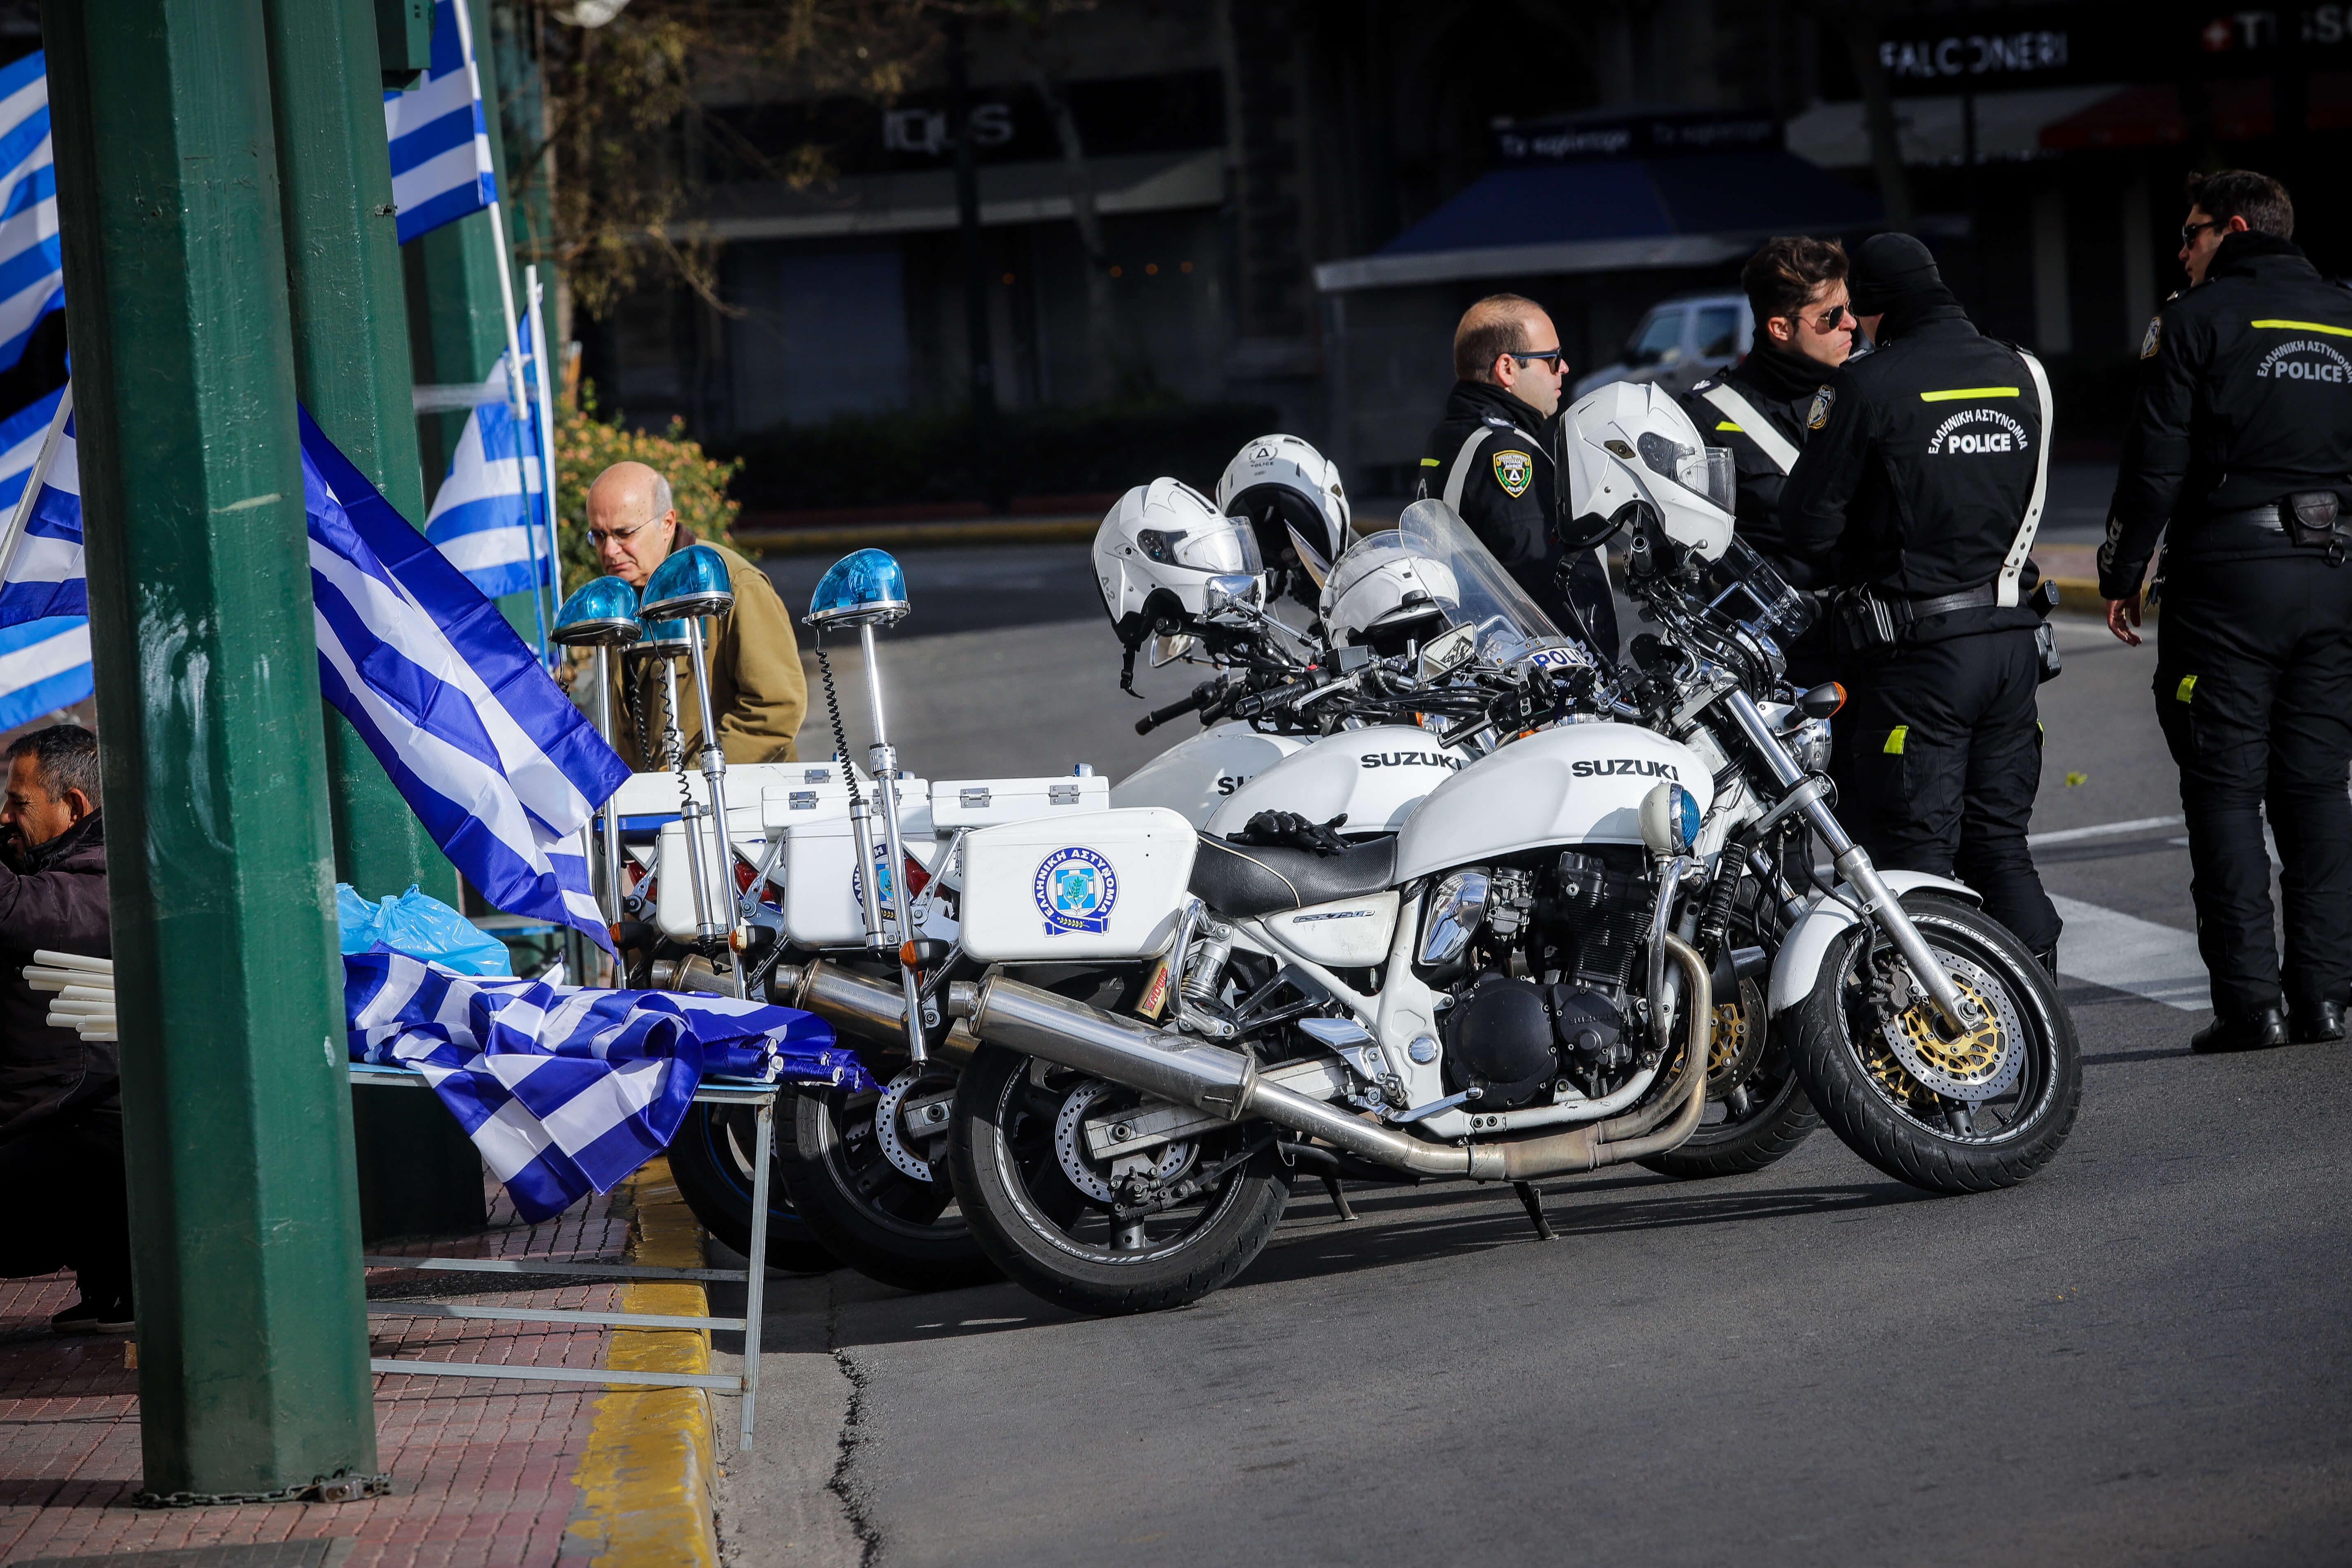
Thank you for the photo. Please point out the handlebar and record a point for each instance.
(1202, 695)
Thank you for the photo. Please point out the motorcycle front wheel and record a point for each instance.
(1138, 1234)
(1984, 1110)
(710, 1160)
(845, 1157)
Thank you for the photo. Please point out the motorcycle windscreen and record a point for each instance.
(1747, 588)
(1486, 598)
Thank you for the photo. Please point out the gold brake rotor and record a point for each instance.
(1738, 1038)
(1973, 1057)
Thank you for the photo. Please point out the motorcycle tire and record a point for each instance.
(1773, 1115)
(1856, 1077)
(1055, 1240)
(875, 1218)
(710, 1160)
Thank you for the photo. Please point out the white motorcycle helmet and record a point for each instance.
(1628, 447)
(1383, 594)
(1157, 554)
(1291, 494)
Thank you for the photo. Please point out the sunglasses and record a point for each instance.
(2189, 231)
(1559, 358)
(1827, 321)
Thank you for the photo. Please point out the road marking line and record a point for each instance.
(2124, 953)
(2070, 835)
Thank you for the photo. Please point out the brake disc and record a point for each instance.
(1737, 1040)
(893, 1106)
(1978, 1064)
(1070, 1147)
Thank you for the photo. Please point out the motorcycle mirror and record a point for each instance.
(1445, 653)
(1233, 593)
(1168, 650)
(1822, 700)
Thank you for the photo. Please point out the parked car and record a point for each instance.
(1681, 343)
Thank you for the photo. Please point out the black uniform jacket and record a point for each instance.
(1510, 501)
(1919, 464)
(2245, 395)
(56, 901)
(1781, 387)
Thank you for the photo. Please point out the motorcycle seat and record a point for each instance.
(1252, 880)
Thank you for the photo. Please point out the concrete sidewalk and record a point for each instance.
(484, 1472)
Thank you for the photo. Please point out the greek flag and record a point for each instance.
(44, 663)
(488, 517)
(31, 271)
(494, 760)
(441, 167)
(564, 1089)
(41, 574)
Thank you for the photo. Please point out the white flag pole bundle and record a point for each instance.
(14, 535)
(515, 398)
(540, 353)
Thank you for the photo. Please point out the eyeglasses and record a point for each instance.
(1827, 321)
(600, 537)
(1559, 358)
(2189, 231)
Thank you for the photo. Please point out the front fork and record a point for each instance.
(1879, 904)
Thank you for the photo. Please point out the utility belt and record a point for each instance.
(2311, 520)
(1870, 621)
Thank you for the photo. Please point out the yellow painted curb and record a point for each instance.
(646, 1481)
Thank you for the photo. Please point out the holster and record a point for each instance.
(2313, 519)
(1866, 621)
(2044, 600)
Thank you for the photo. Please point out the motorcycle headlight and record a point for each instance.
(1454, 915)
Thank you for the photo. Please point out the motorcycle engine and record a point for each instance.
(1513, 1039)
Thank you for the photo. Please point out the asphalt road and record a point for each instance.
(2139, 1356)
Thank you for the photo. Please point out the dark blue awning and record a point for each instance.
(1687, 211)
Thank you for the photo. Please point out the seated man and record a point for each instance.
(60, 1104)
(758, 691)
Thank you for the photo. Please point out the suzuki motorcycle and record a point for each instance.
(1520, 984)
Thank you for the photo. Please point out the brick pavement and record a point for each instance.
(482, 1470)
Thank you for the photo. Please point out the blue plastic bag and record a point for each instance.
(421, 927)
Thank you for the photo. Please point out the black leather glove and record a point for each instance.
(1288, 830)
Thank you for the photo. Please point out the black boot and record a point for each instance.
(2317, 1023)
(2048, 959)
(2260, 1030)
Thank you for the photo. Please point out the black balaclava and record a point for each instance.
(1893, 275)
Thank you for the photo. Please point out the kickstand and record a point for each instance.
(1534, 1200)
(1339, 1197)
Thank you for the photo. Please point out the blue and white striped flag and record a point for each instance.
(488, 517)
(564, 1089)
(32, 269)
(441, 167)
(494, 760)
(44, 663)
(41, 576)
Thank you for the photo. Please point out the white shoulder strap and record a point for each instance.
(2013, 565)
(1754, 425)
(1461, 474)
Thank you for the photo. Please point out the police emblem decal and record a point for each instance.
(1819, 414)
(2147, 344)
(1075, 889)
(1514, 471)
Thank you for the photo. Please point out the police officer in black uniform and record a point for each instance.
(2240, 452)
(1796, 292)
(1492, 459)
(1924, 473)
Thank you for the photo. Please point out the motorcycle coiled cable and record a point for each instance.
(840, 736)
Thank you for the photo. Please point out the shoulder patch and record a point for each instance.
(1514, 471)
(1819, 414)
(2147, 344)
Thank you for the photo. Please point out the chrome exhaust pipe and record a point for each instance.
(1226, 1083)
(854, 1002)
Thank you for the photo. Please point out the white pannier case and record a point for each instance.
(1104, 884)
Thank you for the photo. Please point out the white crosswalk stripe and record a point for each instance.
(2124, 953)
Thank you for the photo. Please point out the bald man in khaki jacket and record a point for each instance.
(758, 691)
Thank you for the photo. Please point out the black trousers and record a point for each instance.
(80, 1219)
(2253, 689)
(1945, 759)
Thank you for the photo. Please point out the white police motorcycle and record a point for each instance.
(1521, 984)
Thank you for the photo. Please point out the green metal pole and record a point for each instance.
(418, 1172)
(244, 1240)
